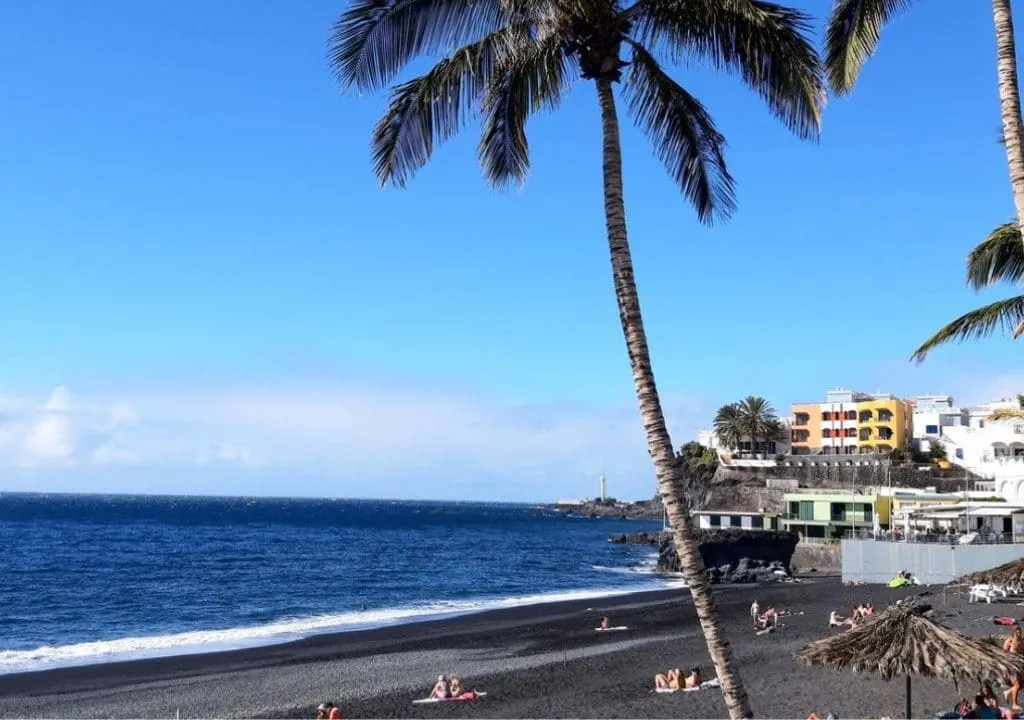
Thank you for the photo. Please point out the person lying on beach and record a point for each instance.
(605, 622)
(442, 688)
(669, 680)
(694, 679)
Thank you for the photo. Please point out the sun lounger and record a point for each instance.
(977, 593)
(712, 683)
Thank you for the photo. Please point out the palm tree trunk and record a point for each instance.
(1009, 100)
(659, 444)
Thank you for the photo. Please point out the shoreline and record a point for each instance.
(542, 660)
(306, 628)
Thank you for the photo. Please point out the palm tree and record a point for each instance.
(852, 37)
(729, 426)
(999, 257)
(759, 421)
(508, 59)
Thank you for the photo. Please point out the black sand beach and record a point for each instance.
(536, 661)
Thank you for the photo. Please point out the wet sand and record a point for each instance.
(535, 661)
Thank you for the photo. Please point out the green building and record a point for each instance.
(825, 517)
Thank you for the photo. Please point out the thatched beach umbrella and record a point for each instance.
(903, 641)
(1011, 573)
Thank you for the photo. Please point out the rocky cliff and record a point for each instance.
(731, 556)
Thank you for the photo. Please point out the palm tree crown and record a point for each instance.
(998, 258)
(752, 419)
(506, 59)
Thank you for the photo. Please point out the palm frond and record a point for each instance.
(1000, 256)
(530, 80)
(434, 106)
(851, 37)
(766, 44)
(1006, 314)
(1004, 414)
(684, 136)
(374, 39)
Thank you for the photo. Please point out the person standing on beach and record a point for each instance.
(1014, 644)
(755, 610)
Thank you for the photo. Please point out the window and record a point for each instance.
(851, 432)
(715, 520)
(851, 414)
(826, 433)
(931, 429)
(794, 509)
(826, 416)
(838, 511)
(806, 510)
(735, 521)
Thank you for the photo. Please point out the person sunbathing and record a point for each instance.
(1014, 645)
(694, 679)
(605, 622)
(869, 609)
(668, 681)
(835, 619)
(456, 687)
(442, 688)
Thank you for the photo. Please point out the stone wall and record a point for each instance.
(817, 558)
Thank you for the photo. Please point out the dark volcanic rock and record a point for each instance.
(736, 556)
(638, 538)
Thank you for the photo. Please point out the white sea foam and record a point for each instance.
(203, 641)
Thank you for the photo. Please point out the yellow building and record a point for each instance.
(850, 423)
(882, 424)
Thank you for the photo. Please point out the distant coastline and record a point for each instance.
(608, 508)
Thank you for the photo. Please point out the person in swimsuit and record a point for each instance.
(694, 679)
(755, 610)
(442, 688)
(1014, 644)
(328, 711)
(605, 623)
(668, 681)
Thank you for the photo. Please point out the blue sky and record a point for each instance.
(193, 232)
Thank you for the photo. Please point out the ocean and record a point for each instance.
(94, 578)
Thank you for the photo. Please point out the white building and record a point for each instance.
(736, 520)
(764, 452)
(932, 414)
(991, 449)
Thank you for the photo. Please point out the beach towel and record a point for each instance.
(609, 629)
(770, 628)
(464, 697)
(712, 683)
(897, 582)
(1004, 621)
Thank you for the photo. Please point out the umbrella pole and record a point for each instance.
(909, 714)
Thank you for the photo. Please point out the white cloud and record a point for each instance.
(344, 438)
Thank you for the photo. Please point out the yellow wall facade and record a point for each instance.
(882, 425)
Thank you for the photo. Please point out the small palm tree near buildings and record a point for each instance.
(751, 420)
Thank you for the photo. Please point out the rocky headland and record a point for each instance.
(730, 556)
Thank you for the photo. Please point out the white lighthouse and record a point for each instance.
(603, 483)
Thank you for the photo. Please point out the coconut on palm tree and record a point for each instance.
(852, 35)
(998, 258)
(505, 60)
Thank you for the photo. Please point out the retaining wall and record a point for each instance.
(873, 561)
